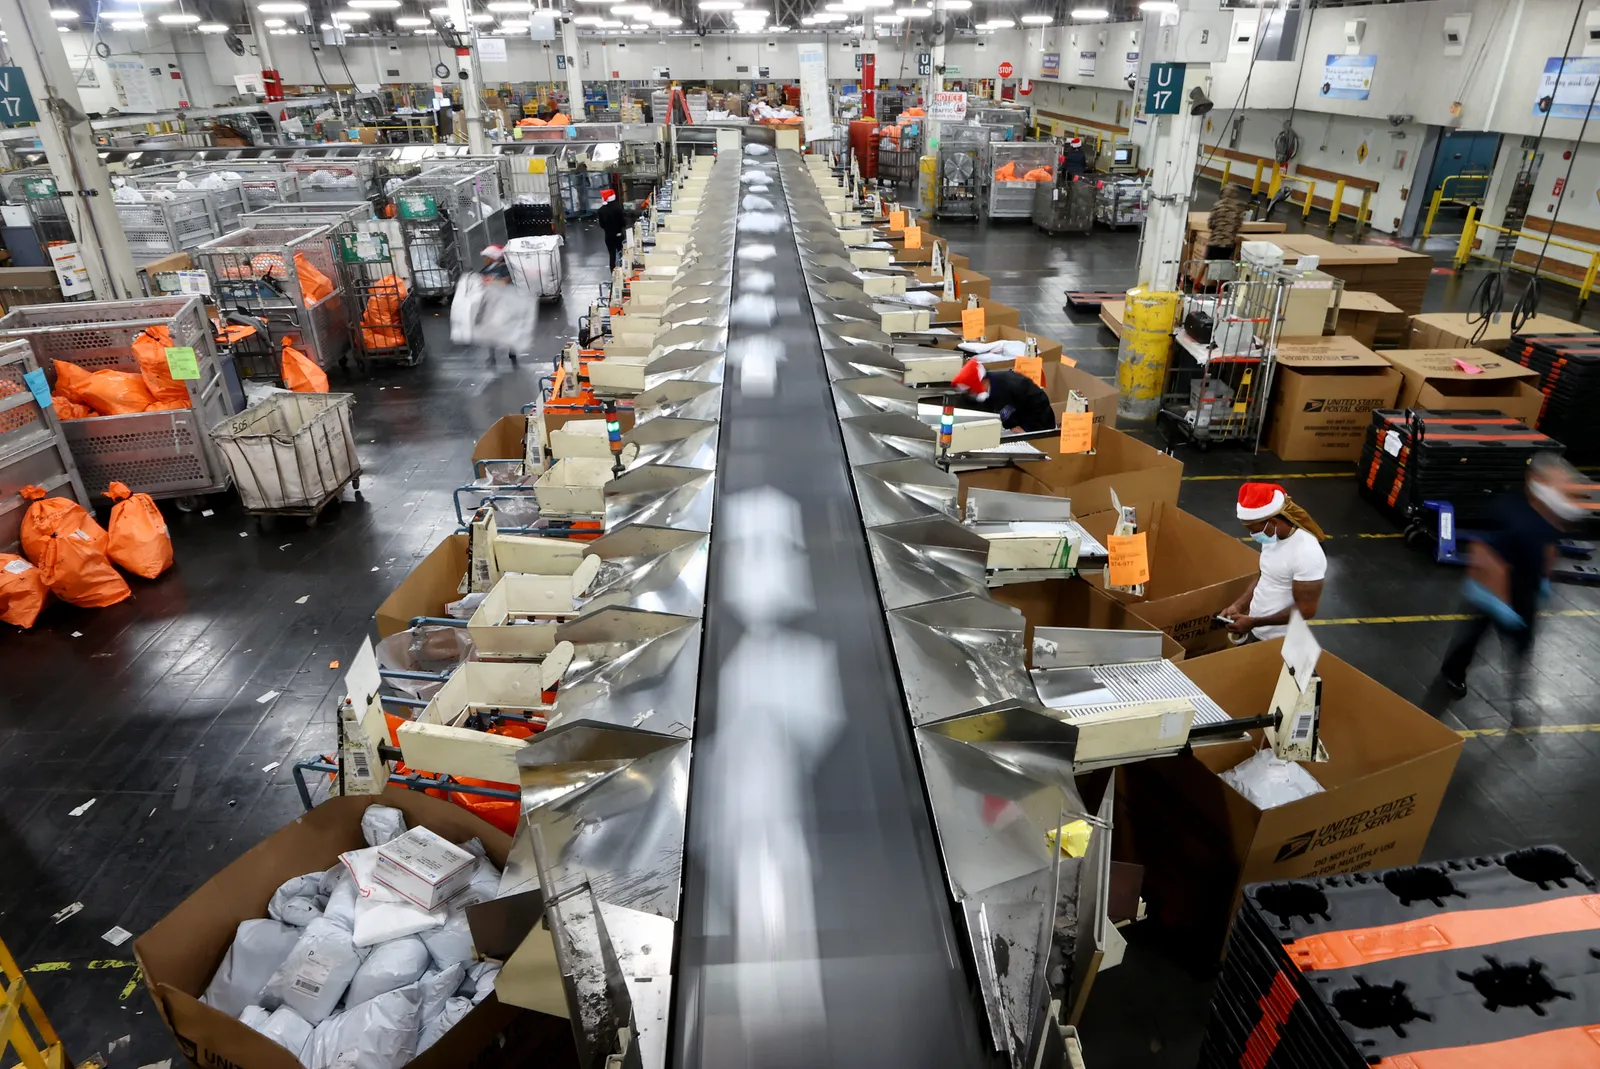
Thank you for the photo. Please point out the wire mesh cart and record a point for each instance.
(274, 273)
(292, 455)
(166, 454)
(35, 188)
(343, 179)
(1219, 380)
(162, 227)
(385, 316)
(960, 178)
(466, 196)
(226, 200)
(33, 446)
(1065, 206)
(1121, 202)
(535, 265)
(1008, 195)
(430, 244)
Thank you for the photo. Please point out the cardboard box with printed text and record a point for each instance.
(1201, 842)
(1323, 395)
(1473, 379)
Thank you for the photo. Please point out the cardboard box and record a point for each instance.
(1196, 571)
(1112, 313)
(430, 586)
(424, 867)
(1432, 380)
(1059, 378)
(1140, 474)
(1201, 842)
(1450, 330)
(1074, 603)
(967, 280)
(1323, 394)
(948, 314)
(504, 438)
(1362, 315)
(179, 955)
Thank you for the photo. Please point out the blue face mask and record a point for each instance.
(1263, 538)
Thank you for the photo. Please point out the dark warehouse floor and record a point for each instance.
(151, 708)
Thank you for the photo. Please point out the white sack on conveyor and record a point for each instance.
(433, 1031)
(757, 149)
(756, 252)
(299, 901)
(381, 823)
(753, 203)
(753, 310)
(920, 298)
(288, 1030)
(314, 977)
(259, 948)
(758, 281)
(391, 965)
(760, 222)
(1267, 782)
(380, 1033)
(755, 178)
(438, 986)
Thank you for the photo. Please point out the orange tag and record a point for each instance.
(897, 220)
(913, 237)
(1077, 432)
(1067, 360)
(1031, 366)
(1130, 560)
(972, 324)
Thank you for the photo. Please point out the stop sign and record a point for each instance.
(1005, 70)
(1026, 87)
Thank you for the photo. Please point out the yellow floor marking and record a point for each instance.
(1538, 729)
(1269, 476)
(1434, 618)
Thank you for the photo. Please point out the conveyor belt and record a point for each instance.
(816, 927)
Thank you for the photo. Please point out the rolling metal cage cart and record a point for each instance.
(35, 188)
(318, 213)
(264, 188)
(341, 179)
(1061, 207)
(384, 326)
(291, 455)
(1013, 199)
(162, 227)
(254, 271)
(226, 201)
(33, 447)
(166, 454)
(449, 214)
(1219, 376)
(898, 158)
(1121, 202)
(961, 161)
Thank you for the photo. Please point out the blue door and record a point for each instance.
(1466, 158)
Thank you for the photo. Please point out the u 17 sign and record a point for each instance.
(16, 102)
(1163, 94)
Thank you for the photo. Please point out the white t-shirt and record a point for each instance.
(1296, 559)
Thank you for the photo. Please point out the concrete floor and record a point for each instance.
(151, 707)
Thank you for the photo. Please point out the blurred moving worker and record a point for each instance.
(1224, 224)
(1293, 565)
(1073, 161)
(1012, 396)
(1508, 566)
(614, 223)
(494, 264)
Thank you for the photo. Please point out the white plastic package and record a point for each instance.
(390, 965)
(288, 1030)
(485, 885)
(752, 281)
(438, 987)
(380, 1033)
(381, 823)
(753, 310)
(434, 1030)
(753, 203)
(450, 943)
(259, 948)
(1268, 782)
(314, 977)
(299, 901)
(380, 913)
(479, 983)
(1006, 348)
(255, 1017)
(761, 222)
(341, 907)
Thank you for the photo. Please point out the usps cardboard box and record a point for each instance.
(1435, 378)
(1451, 330)
(1196, 571)
(179, 955)
(1201, 842)
(948, 314)
(1363, 315)
(1324, 391)
(1139, 474)
(1075, 603)
(1060, 379)
(430, 586)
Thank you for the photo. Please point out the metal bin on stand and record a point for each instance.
(167, 453)
(33, 446)
(254, 271)
(1013, 198)
(161, 227)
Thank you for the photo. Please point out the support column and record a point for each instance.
(1174, 152)
(869, 81)
(569, 47)
(271, 81)
(69, 146)
(472, 95)
(934, 82)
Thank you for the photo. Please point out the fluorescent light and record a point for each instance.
(888, 18)
(351, 16)
(61, 14)
(997, 24)
(611, 24)
(830, 16)
(808, 20)
(128, 24)
(479, 20)
(212, 27)
(280, 7)
(877, 3)
(178, 19)
(1090, 13)
(275, 23)
(662, 18)
(374, 5)
(1156, 7)
(914, 12)
(1037, 20)
(632, 9)
(504, 7)
(412, 20)
(64, 29)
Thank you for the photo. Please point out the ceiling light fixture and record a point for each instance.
(64, 29)
(61, 14)
(664, 19)
(958, 5)
(280, 7)
(1036, 20)
(128, 24)
(374, 5)
(178, 19)
(509, 7)
(888, 18)
(1089, 14)
(351, 16)
(1156, 7)
(274, 23)
(412, 20)
(914, 12)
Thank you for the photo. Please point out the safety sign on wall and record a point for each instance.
(948, 106)
(1567, 87)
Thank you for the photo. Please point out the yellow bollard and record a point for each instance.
(1468, 233)
(1277, 181)
(1145, 352)
(1433, 210)
(1227, 171)
(1311, 189)
(1255, 187)
(1338, 204)
(1588, 278)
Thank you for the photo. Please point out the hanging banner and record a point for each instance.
(1348, 77)
(948, 107)
(1570, 99)
(492, 49)
(132, 86)
(814, 92)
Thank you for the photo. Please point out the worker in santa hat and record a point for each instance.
(1012, 396)
(1292, 564)
(614, 223)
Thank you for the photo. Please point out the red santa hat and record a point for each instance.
(607, 196)
(971, 376)
(1260, 501)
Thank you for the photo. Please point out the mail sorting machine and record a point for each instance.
(166, 454)
(588, 674)
(264, 272)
